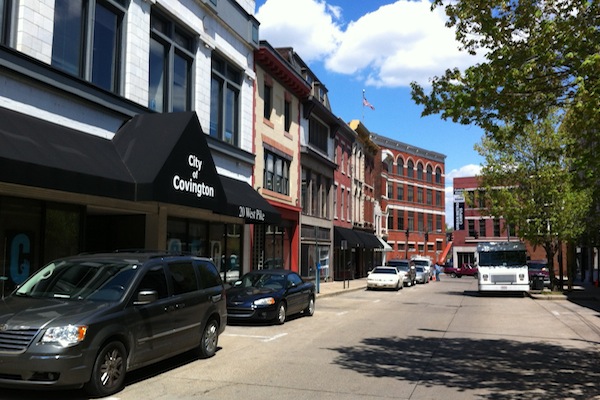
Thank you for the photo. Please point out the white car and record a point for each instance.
(382, 277)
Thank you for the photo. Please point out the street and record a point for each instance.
(435, 341)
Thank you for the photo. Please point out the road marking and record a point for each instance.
(556, 313)
(376, 301)
(260, 337)
(275, 337)
(341, 313)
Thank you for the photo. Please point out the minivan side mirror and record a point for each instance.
(146, 297)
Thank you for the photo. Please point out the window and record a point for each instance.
(482, 230)
(87, 40)
(400, 167)
(400, 220)
(410, 169)
(171, 59)
(438, 175)
(276, 174)
(400, 192)
(429, 174)
(183, 277)
(420, 171)
(429, 222)
(438, 198)
(420, 222)
(304, 195)
(411, 221)
(335, 204)
(420, 195)
(496, 227)
(429, 197)
(471, 225)
(438, 223)
(390, 221)
(318, 133)
(287, 115)
(225, 101)
(410, 193)
(268, 101)
(390, 190)
(5, 11)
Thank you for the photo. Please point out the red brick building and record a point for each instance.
(411, 189)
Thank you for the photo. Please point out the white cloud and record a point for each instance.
(398, 43)
(464, 171)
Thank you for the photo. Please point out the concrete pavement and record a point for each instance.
(580, 291)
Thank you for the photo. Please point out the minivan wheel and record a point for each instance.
(210, 339)
(108, 374)
(281, 313)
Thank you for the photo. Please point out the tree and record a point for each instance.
(527, 180)
(539, 55)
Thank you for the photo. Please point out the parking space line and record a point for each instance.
(262, 338)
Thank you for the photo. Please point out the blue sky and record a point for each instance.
(379, 46)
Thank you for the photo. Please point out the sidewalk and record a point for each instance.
(333, 288)
(580, 291)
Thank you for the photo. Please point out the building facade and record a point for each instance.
(472, 225)
(412, 199)
(280, 91)
(127, 124)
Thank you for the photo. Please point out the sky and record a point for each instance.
(377, 48)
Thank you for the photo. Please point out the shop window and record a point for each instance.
(225, 90)
(170, 70)
(87, 41)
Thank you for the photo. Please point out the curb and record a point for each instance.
(330, 294)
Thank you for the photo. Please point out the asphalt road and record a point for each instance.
(435, 341)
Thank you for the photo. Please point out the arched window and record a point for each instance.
(438, 175)
(429, 173)
(410, 169)
(419, 171)
(400, 166)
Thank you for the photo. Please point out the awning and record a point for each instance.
(38, 153)
(355, 238)
(386, 246)
(170, 160)
(349, 235)
(244, 202)
(370, 241)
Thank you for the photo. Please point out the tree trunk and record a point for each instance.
(550, 256)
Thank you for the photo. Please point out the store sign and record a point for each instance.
(193, 184)
(459, 216)
(254, 214)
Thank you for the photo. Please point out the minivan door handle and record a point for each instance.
(216, 298)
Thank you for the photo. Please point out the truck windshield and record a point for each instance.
(503, 258)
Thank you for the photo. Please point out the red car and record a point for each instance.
(463, 270)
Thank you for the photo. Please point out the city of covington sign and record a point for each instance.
(192, 184)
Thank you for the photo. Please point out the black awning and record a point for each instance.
(349, 235)
(245, 202)
(170, 160)
(369, 240)
(38, 153)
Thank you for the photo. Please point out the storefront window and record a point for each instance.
(62, 232)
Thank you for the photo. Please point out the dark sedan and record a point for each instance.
(270, 295)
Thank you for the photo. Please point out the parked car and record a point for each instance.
(382, 277)
(410, 273)
(270, 295)
(423, 274)
(88, 320)
(424, 262)
(538, 270)
(463, 270)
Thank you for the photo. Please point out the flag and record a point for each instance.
(366, 103)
